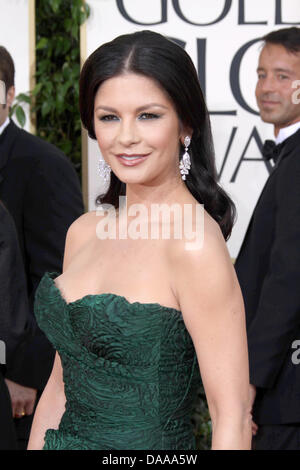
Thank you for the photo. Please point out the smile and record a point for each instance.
(269, 103)
(131, 160)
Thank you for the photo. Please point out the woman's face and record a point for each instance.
(137, 129)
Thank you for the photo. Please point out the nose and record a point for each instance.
(128, 133)
(267, 84)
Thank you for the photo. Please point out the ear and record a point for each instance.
(186, 131)
(10, 96)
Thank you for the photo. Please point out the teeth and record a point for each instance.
(129, 158)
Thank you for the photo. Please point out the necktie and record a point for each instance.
(271, 150)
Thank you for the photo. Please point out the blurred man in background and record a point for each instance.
(16, 325)
(41, 190)
(268, 265)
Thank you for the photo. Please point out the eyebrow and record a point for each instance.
(291, 72)
(140, 108)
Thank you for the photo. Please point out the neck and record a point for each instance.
(278, 127)
(170, 192)
(3, 119)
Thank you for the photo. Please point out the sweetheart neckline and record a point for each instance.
(88, 296)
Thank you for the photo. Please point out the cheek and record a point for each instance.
(258, 89)
(104, 138)
(164, 136)
(158, 139)
(287, 96)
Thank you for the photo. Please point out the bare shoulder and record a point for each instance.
(210, 249)
(80, 233)
(83, 226)
(203, 279)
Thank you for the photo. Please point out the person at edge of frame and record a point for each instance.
(268, 264)
(16, 324)
(41, 190)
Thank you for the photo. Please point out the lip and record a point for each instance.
(134, 162)
(269, 103)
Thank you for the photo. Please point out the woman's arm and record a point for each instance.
(51, 405)
(50, 408)
(213, 311)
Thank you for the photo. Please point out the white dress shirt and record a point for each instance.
(286, 132)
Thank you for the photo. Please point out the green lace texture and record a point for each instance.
(130, 372)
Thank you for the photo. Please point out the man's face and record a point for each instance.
(277, 70)
(8, 98)
(2, 102)
(2, 92)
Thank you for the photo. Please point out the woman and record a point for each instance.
(133, 318)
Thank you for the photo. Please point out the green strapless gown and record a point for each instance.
(130, 372)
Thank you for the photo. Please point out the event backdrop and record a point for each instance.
(222, 37)
(17, 35)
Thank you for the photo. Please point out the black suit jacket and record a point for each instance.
(268, 269)
(41, 190)
(16, 325)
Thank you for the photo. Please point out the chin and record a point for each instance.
(265, 117)
(130, 179)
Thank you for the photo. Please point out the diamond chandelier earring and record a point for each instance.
(104, 170)
(185, 162)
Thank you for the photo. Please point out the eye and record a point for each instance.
(260, 76)
(148, 116)
(282, 77)
(108, 117)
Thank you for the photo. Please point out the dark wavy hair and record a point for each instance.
(286, 37)
(154, 56)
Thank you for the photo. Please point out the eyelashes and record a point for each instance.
(279, 76)
(149, 116)
(141, 117)
(107, 118)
